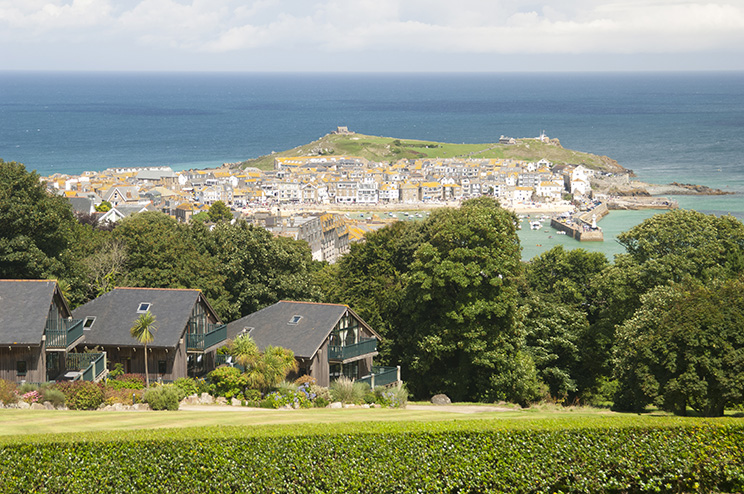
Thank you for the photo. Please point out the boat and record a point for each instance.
(535, 225)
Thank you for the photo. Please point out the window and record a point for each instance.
(21, 367)
(143, 307)
(295, 320)
(89, 322)
(161, 366)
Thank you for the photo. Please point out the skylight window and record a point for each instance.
(88, 323)
(295, 320)
(143, 307)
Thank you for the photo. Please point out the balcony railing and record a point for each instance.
(365, 346)
(201, 341)
(90, 365)
(62, 338)
(381, 376)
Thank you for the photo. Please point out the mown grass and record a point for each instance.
(45, 425)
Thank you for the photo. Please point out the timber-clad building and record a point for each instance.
(328, 340)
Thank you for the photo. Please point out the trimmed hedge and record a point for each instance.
(699, 458)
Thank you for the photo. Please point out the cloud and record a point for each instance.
(229, 27)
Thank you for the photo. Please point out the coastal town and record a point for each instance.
(311, 197)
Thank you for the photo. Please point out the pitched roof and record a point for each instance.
(116, 312)
(271, 326)
(24, 308)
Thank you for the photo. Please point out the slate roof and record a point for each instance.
(24, 308)
(271, 326)
(116, 311)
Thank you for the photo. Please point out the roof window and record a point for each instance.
(143, 307)
(295, 320)
(88, 323)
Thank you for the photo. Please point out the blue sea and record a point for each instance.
(684, 127)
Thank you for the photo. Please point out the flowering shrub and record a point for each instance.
(396, 397)
(31, 397)
(295, 399)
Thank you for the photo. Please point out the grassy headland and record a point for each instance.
(385, 149)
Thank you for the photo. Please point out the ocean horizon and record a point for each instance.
(665, 126)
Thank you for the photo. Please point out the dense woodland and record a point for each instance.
(660, 325)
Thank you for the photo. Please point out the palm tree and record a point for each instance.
(274, 365)
(245, 351)
(144, 332)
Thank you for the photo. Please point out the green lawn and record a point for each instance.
(20, 425)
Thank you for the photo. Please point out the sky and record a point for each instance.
(371, 35)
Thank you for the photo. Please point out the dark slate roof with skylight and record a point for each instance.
(299, 326)
(116, 311)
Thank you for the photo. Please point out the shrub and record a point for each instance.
(127, 381)
(347, 391)
(27, 388)
(82, 395)
(286, 387)
(320, 393)
(252, 398)
(31, 396)
(123, 396)
(117, 371)
(53, 396)
(164, 397)
(8, 392)
(295, 399)
(228, 382)
(461, 456)
(395, 397)
(191, 386)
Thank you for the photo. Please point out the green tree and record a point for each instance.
(552, 334)
(457, 328)
(219, 212)
(258, 269)
(566, 275)
(161, 253)
(684, 348)
(104, 207)
(677, 246)
(36, 228)
(143, 331)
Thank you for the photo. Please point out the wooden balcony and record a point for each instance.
(365, 346)
(200, 342)
(65, 337)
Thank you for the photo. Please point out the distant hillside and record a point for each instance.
(391, 149)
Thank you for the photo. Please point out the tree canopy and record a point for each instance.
(37, 228)
(684, 348)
